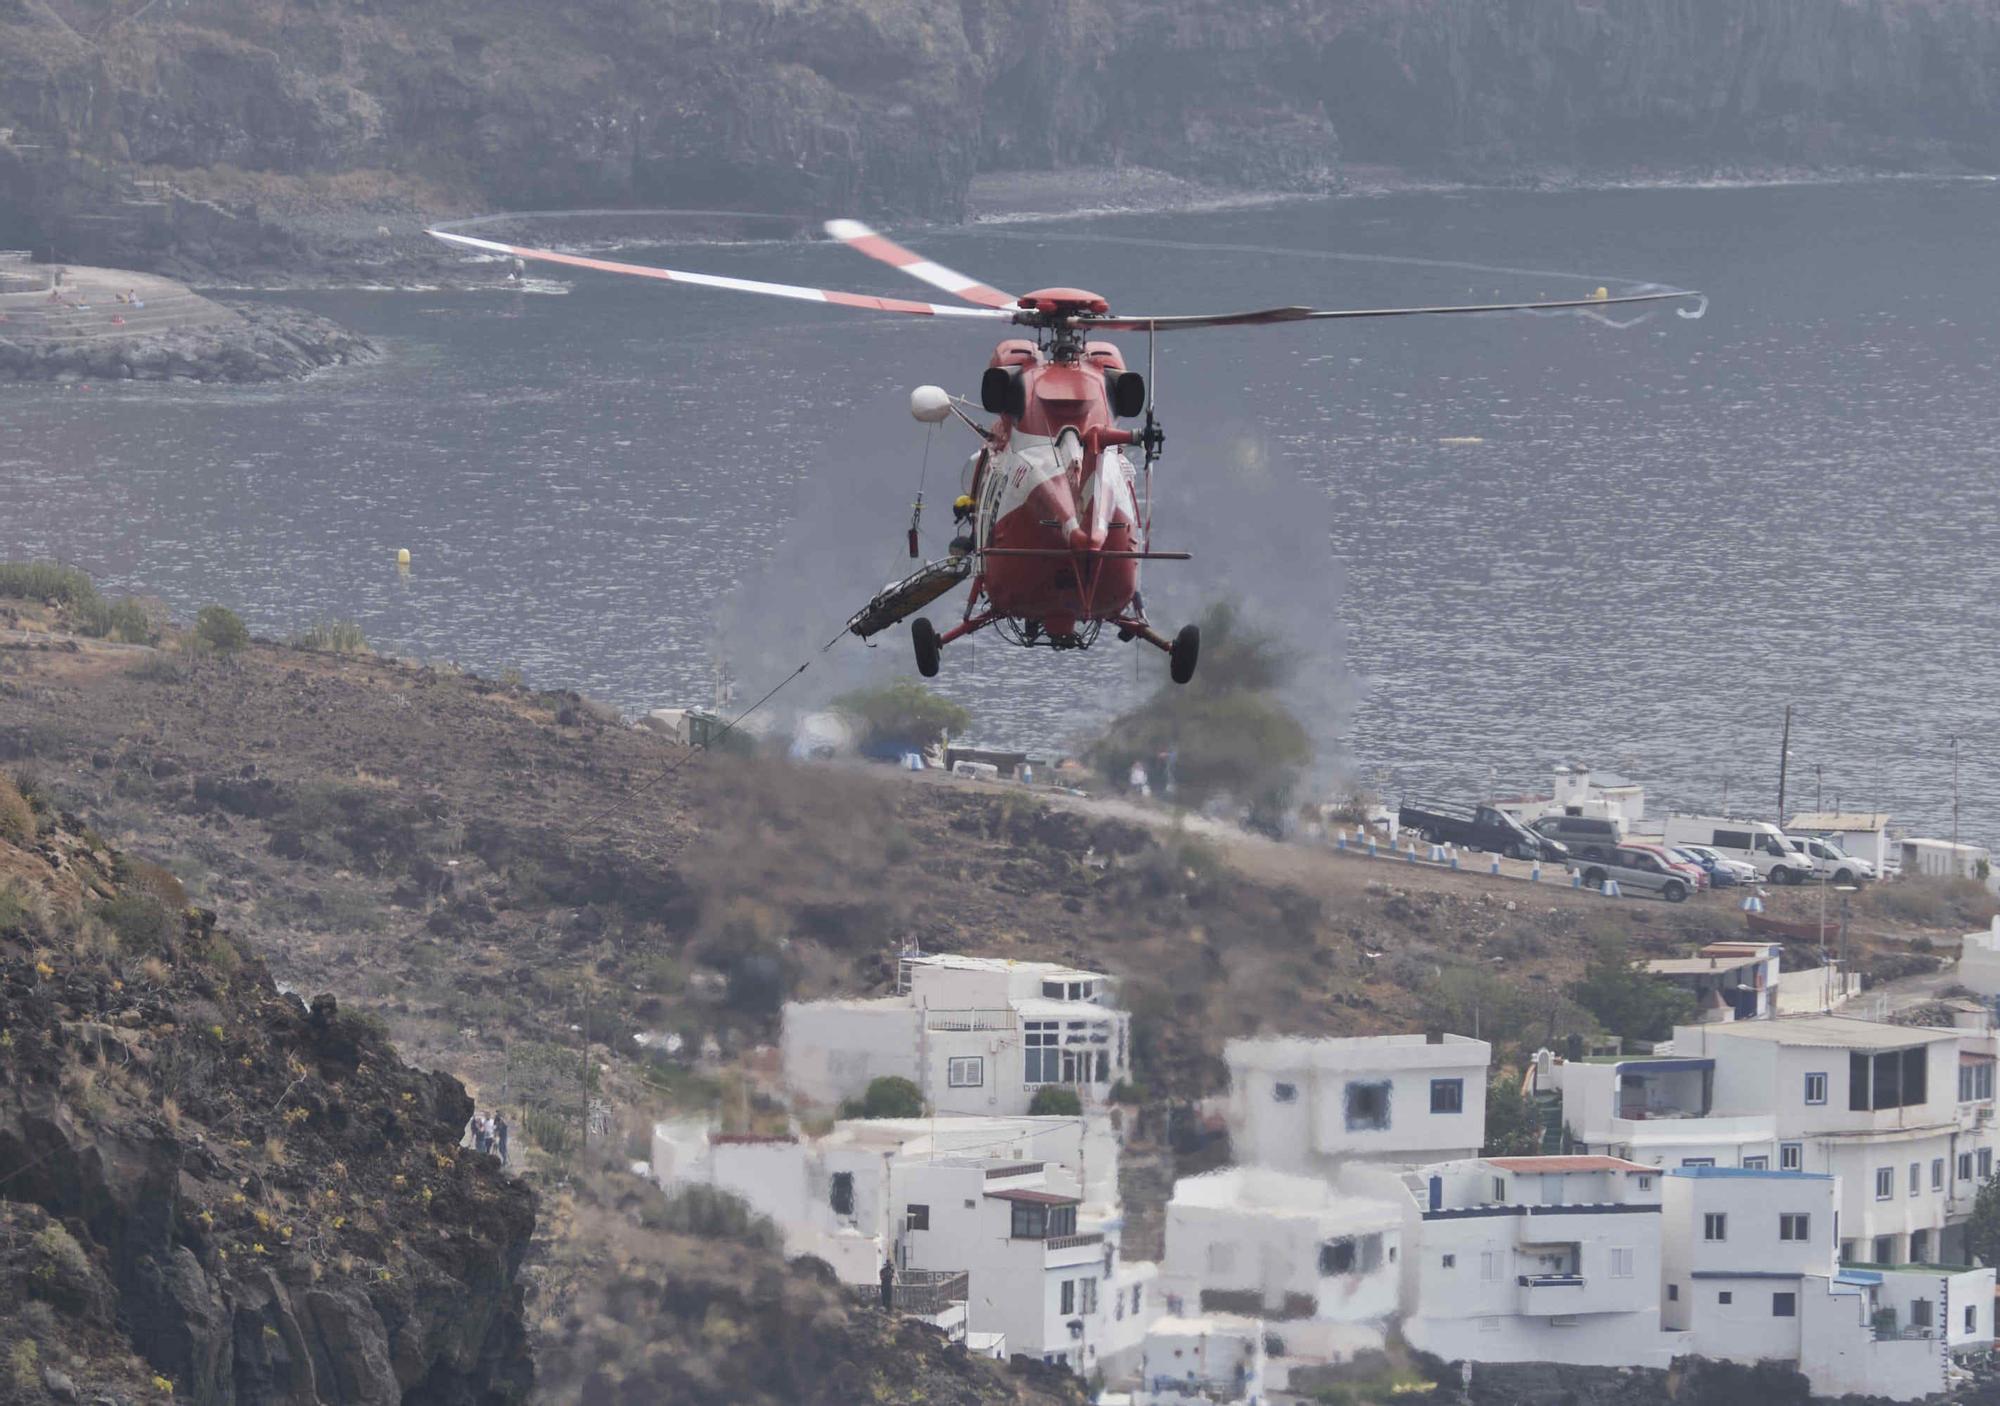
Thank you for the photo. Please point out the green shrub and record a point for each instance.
(714, 1214)
(332, 636)
(904, 714)
(125, 619)
(144, 925)
(219, 628)
(17, 817)
(1128, 1092)
(548, 1130)
(1055, 1101)
(67, 586)
(889, 1096)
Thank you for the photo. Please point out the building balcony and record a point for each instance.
(1070, 1242)
(922, 1292)
(970, 1020)
(1547, 1295)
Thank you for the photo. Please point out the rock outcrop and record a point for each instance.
(211, 1189)
(246, 133)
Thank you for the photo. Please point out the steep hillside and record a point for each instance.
(210, 1190)
(246, 131)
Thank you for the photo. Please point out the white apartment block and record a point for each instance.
(1004, 1231)
(1903, 1116)
(1750, 1274)
(977, 1035)
(1536, 1259)
(1306, 1106)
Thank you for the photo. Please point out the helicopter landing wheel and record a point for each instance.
(923, 634)
(1187, 649)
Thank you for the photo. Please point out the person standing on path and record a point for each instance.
(500, 1134)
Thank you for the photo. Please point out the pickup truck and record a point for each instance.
(1478, 828)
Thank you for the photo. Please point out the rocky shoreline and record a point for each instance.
(261, 342)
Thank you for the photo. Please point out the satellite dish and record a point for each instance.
(930, 404)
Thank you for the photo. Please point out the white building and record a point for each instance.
(1941, 859)
(1750, 1274)
(1536, 1259)
(1017, 1217)
(1902, 1115)
(1979, 961)
(1215, 1358)
(1319, 1264)
(977, 1035)
(1859, 834)
(1728, 980)
(1301, 1105)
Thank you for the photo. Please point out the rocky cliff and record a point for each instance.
(221, 129)
(209, 1190)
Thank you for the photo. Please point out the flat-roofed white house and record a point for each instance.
(1320, 1263)
(1750, 1273)
(976, 1035)
(1016, 1221)
(1947, 859)
(1307, 1105)
(1536, 1259)
(1211, 1360)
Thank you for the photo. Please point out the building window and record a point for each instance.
(1138, 1290)
(1975, 1081)
(1972, 1319)
(1815, 1088)
(1791, 1156)
(1645, 1183)
(1885, 1183)
(1965, 1166)
(1068, 1297)
(1044, 1055)
(1284, 1093)
(1368, 1106)
(841, 1194)
(1034, 1221)
(1673, 1293)
(1916, 1177)
(1697, 1161)
(1621, 1263)
(1447, 1095)
(1449, 1262)
(1985, 1163)
(1920, 1313)
(1937, 1174)
(1104, 1066)
(1725, 1297)
(1792, 1226)
(1088, 1296)
(1891, 1079)
(966, 1072)
(1337, 1257)
(1715, 1226)
(916, 1217)
(1785, 1305)
(1053, 990)
(1499, 1188)
(1756, 1164)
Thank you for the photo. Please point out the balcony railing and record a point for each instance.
(1070, 1242)
(969, 1020)
(920, 1291)
(1890, 1333)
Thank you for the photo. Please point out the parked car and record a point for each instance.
(1692, 871)
(1756, 842)
(1637, 871)
(1829, 861)
(1586, 836)
(1479, 828)
(1723, 872)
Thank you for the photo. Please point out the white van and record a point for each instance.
(1830, 861)
(1755, 842)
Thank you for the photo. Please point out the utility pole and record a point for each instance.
(1784, 756)
(1954, 800)
(1819, 787)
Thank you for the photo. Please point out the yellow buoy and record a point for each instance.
(402, 556)
(1602, 293)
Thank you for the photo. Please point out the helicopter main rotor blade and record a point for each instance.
(1113, 322)
(736, 285)
(862, 239)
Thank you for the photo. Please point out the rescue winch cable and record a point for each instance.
(917, 508)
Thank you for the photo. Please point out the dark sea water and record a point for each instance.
(1667, 532)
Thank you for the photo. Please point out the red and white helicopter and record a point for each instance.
(1054, 519)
